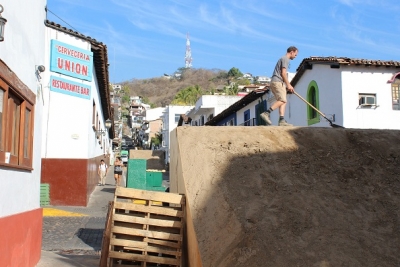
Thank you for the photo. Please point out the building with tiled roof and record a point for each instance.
(76, 104)
(353, 93)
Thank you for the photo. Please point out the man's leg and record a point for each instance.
(282, 121)
(282, 109)
(266, 115)
(103, 177)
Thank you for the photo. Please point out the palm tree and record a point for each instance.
(188, 96)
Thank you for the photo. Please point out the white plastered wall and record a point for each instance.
(22, 50)
(67, 128)
(371, 80)
(252, 107)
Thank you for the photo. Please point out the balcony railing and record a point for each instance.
(251, 122)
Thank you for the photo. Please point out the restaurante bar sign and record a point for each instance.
(71, 61)
(68, 87)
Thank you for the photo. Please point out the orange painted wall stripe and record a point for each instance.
(21, 239)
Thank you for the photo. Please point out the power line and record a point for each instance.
(59, 18)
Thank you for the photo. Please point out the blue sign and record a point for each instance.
(71, 61)
(68, 87)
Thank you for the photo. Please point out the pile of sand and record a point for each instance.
(283, 196)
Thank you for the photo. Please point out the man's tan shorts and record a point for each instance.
(279, 91)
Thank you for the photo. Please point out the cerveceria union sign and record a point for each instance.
(71, 61)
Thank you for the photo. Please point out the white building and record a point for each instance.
(76, 103)
(263, 79)
(245, 111)
(209, 106)
(353, 93)
(154, 113)
(21, 109)
(170, 119)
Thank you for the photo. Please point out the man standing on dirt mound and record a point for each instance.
(279, 85)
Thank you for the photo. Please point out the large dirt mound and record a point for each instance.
(283, 196)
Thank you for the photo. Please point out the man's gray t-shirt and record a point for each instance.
(283, 62)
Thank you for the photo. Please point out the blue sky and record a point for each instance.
(147, 38)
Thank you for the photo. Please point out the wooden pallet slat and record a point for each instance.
(154, 222)
(163, 243)
(141, 246)
(146, 233)
(149, 195)
(106, 236)
(143, 258)
(147, 209)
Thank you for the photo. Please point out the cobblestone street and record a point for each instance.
(76, 237)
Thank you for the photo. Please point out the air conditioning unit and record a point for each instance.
(367, 100)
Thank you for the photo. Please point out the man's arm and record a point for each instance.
(289, 87)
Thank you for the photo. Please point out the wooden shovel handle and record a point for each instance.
(320, 113)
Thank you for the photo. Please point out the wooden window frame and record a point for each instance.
(395, 87)
(15, 92)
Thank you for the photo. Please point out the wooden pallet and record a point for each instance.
(146, 228)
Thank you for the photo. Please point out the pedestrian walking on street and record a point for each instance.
(279, 87)
(118, 170)
(102, 171)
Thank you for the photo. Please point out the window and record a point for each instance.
(177, 117)
(246, 118)
(16, 124)
(313, 99)
(396, 94)
(94, 115)
(202, 120)
(367, 100)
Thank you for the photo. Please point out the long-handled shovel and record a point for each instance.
(320, 113)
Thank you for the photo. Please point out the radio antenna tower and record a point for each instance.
(188, 54)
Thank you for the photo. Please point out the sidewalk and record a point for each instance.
(72, 236)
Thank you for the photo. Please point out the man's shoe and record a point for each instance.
(284, 123)
(265, 117)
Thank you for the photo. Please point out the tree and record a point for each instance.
(234, 73)
(188, 96)
(156, 140)
(234, 89)
(125, 99)
(146, 100)
(243, 82)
